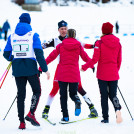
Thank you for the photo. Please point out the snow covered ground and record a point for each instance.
(87, 21)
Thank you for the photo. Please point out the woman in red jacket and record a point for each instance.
(68, 70)
(108, 54)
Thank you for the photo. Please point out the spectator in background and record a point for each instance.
(117, 27)
(5, 28)
(0, 32)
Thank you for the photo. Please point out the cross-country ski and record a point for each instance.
(75, 121)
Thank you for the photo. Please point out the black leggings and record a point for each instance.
(73, 87)
(108, 89)
(21, 94)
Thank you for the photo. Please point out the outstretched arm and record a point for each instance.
(48, 44)
(52, 56)
(88, 46)
(86, 58)
(95, 58)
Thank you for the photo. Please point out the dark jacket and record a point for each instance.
(25, 66)
(6, 26)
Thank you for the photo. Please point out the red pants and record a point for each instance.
(56, 87)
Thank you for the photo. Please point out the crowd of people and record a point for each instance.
(22, 47)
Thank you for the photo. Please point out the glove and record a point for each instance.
(40, 71)
(93, 69)
(43, 45)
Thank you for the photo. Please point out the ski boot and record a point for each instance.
(22, 125)
(31, 118)
(64, 120)
(93, 112)
(45, 112)
(77, 107)
(105, 121)
(118, 116)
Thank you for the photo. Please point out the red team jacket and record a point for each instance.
(108, 54)
(68, 69)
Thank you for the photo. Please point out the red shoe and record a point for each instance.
(31, 118)
(22, 125)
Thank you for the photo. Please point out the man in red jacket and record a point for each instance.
(108, 54)
(62, 28)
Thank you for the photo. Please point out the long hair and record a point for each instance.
(71, 33)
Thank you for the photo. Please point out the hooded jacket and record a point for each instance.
(108, 54)
(25, 66)
(68, 68)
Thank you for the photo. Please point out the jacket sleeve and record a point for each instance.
(85, 58)
(48, 44)
(39, 52)
(88, 46)
(8, 50)
(119, 59)
(95, 57)
(52, 56)
(96, 54)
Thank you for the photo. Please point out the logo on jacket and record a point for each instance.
(21, 40)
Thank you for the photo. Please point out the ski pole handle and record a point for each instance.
(3, 75)
(7, 70)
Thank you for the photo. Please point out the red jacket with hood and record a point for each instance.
(108, 54)
(68, 68)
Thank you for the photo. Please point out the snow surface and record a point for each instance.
(87, 21)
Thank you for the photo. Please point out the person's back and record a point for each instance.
(69, 57)
(69, 51)
(107, 53)
(108, 64)
(20, 49)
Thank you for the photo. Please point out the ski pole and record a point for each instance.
(10, 108)
(6, 70)
(6, 74)
(125, 103)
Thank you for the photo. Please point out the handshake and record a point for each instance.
(47, 73)
(93, 69)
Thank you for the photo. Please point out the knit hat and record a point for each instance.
(62, 24)
(25, 18)
(71, 33)
(107, 28)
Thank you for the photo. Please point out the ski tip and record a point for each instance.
(3, 119)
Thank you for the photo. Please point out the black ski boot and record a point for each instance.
(77, 107)
(93, 112)
(105, 121)
(45, 112)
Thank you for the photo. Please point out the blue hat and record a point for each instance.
(25, 18)
(62, 24)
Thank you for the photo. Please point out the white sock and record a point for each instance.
(49, 100)
(86, 98)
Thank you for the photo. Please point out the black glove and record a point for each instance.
(39, 73)
(94, 44)
(93, 69)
